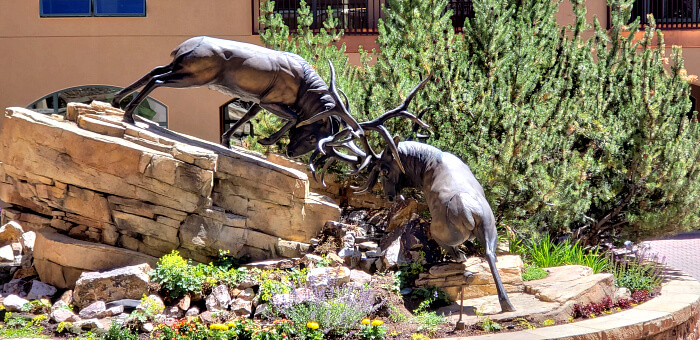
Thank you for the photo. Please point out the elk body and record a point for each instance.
(280, 82)
(456, 200)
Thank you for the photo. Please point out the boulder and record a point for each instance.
(291, 249)
(58, 264)
(14, 303)
(572, 284)
(40, 290)
(193, 311)
(14, 287)
(87, 325)
(219, 299)
(184, 303)
(122, 283)
(247, 294)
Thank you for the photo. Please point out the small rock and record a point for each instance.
(314, 241)
(11, 232)
(260, 310)
(28, 240)
(62, 314)
(401, 212)
(67, 297)
(247, 294)
(184, 303)
(247, 283)
(159, 318)
(174, 312)
(194, 311)
(622, 293)
(373, 253)
(87, 325)
(366, 264)
(219, 299)
(114, 310)
(15, 286)
(349, 240)
(94, 310)
(368, 245)
(14, 303)
(207, 317)
(147, 327)
(40, 290)
(24, 273)
(392, 254)
(327, 275)
(360, 277)
(271, 264)
(7, 255)
(356, 217)
(242, 307)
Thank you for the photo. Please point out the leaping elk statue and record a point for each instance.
(456, 200)
(282, 83)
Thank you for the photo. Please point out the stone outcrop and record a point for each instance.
(450, 276)
(103, 185)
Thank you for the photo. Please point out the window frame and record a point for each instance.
(92, 13)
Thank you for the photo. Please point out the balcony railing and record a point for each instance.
(669, 14)
(355, 17)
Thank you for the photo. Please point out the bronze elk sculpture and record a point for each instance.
(282, 83)
(456, 200)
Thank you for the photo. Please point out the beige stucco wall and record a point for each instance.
(39, 56)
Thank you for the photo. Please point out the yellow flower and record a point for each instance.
(365, 321)
(218, 326)
(312, 325)
(230, 324)
(377, 322)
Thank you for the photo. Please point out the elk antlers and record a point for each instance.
(359, 159)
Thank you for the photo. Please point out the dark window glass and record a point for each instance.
(65, 7)
(120, 7)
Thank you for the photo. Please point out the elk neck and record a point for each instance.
(308, 102)
(417, 159)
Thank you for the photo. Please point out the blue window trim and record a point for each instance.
(91, 14)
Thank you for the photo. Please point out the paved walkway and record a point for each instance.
(681, 251)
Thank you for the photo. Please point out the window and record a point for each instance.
(56, 103)
(75, 8)
(355, 17)
(669, 14)
(230, 113)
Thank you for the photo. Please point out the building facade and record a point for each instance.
(53, 51)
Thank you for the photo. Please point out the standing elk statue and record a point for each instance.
(282, 83)
(456, 200)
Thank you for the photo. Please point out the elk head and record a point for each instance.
(304, 139)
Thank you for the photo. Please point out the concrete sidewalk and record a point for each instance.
(681, 251)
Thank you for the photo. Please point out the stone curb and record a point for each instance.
(678, 304)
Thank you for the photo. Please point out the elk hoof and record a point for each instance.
(129, 119)
(506, 306)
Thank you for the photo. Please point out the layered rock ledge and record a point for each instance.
(118, 191)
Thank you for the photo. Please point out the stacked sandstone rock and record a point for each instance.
(102, 194)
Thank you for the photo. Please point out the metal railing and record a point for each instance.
(355, 17)
(669, 14)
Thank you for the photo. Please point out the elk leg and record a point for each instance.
(283, 112)
(226, 137)
(489, 247)
(150, 86)
(145, 79)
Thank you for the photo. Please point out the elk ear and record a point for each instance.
(396, 140)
